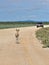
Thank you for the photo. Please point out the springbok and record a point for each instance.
(17, 35)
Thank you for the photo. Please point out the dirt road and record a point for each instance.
(29, 51)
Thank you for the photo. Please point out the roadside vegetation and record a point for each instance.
(43, 35)
(4, 25)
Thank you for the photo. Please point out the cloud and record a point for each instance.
(44, 1)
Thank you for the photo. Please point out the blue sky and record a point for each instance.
(19, 10)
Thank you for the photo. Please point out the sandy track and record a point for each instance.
(29, 51)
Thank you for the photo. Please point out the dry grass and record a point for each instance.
(43, 34)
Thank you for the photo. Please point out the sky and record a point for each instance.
(22, 10)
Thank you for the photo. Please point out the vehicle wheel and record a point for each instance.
(37, 26)
(42, 26)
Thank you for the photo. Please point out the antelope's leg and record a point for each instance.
(17, 40)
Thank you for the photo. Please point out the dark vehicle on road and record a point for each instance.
(39, 24)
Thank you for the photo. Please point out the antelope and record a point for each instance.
(17, 35)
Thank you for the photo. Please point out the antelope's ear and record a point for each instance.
(17, 30)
